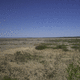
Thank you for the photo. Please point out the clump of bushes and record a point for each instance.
(61, 47)
(41, 47)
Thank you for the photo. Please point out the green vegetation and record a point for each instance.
(44, 62)
(76, 44)
(52, 74)
(24, 57)
(65, 40)
(61, 47)
(73, 72)
(23, 42)
(41, 47)
(15, 44)
(44, 46)
(3, 44)
(74, 41)
(76, 47)
(2, 65)
(57, 40)
(8, 78)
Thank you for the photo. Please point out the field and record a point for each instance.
(39, 58)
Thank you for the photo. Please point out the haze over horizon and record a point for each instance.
(39, 18)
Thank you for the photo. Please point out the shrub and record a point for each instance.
(76, 47)
(41, 47)
(61, 47)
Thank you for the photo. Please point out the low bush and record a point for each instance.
(41, 47)
(61, 47)
(76, 47)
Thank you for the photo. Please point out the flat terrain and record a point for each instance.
(38, 58)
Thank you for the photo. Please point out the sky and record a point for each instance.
(39, 18)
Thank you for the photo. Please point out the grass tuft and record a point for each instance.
(51, 75)
(73, 72)
(25, 56)
(8, 78)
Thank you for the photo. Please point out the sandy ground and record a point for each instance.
(50, 66)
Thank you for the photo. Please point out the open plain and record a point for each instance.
(39, 58)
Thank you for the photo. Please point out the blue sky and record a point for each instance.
(39, 18)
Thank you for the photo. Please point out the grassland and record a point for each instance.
(40, 59)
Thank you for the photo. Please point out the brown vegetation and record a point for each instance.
(44, 59)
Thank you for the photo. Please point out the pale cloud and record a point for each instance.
(11, 31)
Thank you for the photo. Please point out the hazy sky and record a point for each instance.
(39, 18)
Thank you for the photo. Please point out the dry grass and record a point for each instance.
(43, 64)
